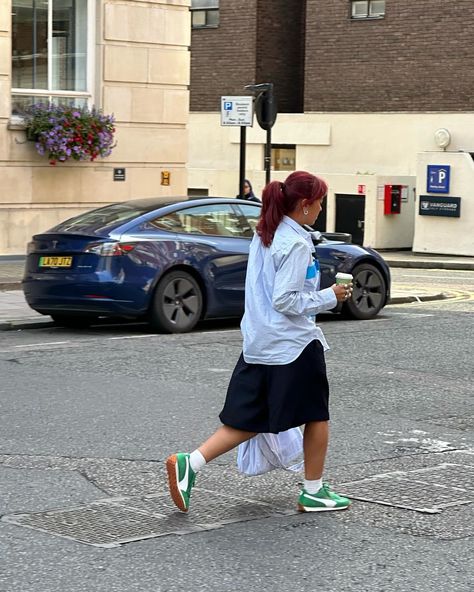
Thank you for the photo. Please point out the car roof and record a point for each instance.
(152, 203)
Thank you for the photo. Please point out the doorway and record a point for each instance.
(350, 216)
(320, 223)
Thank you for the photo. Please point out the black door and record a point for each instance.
(320, 223)
(350, 216)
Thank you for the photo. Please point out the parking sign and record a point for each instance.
(438, 178)
(237, 111)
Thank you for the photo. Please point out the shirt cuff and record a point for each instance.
(329, 298)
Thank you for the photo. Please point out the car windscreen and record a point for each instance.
(102, 220)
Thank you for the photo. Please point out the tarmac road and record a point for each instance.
(92, 415)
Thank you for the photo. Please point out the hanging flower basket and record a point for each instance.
(63, 133)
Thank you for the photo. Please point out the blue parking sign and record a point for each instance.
(438, 178)
(228, 106)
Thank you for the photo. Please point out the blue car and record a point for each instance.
(173, 262)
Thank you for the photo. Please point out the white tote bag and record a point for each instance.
(266, 452)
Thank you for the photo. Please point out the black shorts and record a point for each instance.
(270, 398)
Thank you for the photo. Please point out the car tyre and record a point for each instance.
(369, 293)
(177, 304)
(73, 321)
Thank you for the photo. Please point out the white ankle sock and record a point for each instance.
(196, 460)
(312, 486)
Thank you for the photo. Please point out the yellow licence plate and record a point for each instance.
(55, 261)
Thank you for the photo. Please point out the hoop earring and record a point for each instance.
(305, 212)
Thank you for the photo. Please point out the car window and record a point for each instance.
(100, 220)
(251, 215)
(212, 220)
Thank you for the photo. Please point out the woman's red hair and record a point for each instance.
(279, 199)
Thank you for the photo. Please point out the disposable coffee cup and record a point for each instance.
(343, 278)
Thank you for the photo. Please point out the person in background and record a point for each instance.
(280, 379)
(249, 195)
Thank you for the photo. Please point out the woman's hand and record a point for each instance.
(342, 291)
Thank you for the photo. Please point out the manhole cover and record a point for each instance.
(428, 490)
(111, 522)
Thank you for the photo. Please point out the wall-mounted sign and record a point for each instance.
(361, 189)
(119, 174)
(165, 177)
(438, 178)
(237, 111)
(440, 206)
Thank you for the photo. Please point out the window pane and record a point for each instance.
(252, 215)
(97, 221)
(21, 103)
(29, 44)
(212, 18)
(199, 18)
(360, 9)
(204, 4)
(69, 51)
(218, 220)
(377, 8)
(284, 158)
(69, 101)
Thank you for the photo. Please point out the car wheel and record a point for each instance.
(369, 293)
(177, 304)
(73, 321)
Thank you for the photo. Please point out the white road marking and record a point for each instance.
(412, 314)
(434, 277)
(41, 344)
(133, 337)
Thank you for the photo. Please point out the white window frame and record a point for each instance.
(90, 77)
(367, 14)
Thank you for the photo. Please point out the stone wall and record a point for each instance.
(142, 76)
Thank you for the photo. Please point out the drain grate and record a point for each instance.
(111, 522)
(428, 490)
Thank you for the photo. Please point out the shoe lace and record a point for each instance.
(326, 488)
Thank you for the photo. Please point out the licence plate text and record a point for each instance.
(55, 261)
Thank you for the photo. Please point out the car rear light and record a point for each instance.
(110, 249)
(30, 247)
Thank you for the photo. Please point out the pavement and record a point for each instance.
(16, 314)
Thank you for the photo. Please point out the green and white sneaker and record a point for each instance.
(181, 479)
(322, 501)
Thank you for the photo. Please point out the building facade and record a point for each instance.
(129, 58)
(362, 87)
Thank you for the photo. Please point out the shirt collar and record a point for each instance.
(299, 229)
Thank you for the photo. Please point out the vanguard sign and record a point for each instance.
(440, 206)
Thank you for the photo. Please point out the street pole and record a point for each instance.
(268, 156)
(266, 110)
(243, 139)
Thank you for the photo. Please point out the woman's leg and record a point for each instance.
(315, 445)
(316, 496)
(222, 440)
(182, 467)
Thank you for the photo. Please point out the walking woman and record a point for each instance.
(280, 380)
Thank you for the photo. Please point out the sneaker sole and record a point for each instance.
(321, 509)
(173, 479)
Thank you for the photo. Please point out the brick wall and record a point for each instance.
(223, 60)
(256, 41)
(418, 58)
(280, 51)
